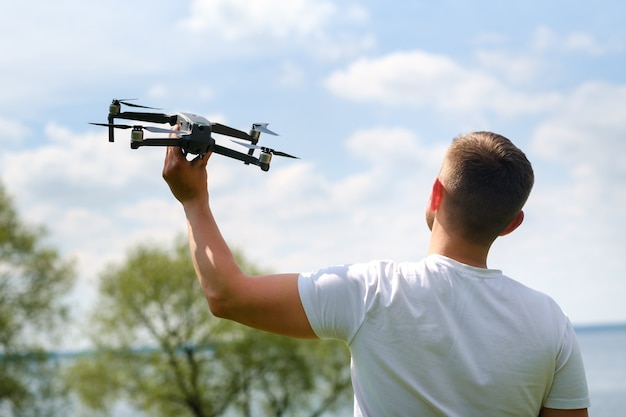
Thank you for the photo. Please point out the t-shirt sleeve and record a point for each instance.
(336, 299)
(569, 388)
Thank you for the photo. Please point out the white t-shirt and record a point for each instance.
(440, 338)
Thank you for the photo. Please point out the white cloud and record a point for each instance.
(317, 26)
(588, 130)
(398, 78)
(586, 142)
(80, 167)
(546, 40)
(584, 42)
(236, 19)
(538, 57)
(423, 79)
(517, 69)
(395, 147)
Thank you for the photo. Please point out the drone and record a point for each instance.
(194, 134)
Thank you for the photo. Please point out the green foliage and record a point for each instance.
(33, 281)
(162, 350)
(281, 376)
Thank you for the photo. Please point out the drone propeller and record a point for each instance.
(262, 127)
(152, 129)
(264, 149)
(125, 101)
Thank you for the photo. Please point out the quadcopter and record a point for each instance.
(194, 134)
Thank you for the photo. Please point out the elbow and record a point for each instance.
(217, 305)
(225, 299)
(220, 305)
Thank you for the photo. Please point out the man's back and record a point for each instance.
(442, 338)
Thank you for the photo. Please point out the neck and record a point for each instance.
(453, 247)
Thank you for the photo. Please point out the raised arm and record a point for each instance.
(270, 302)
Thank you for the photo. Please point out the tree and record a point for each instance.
(286, 377)
(159, 347)
(33, 281)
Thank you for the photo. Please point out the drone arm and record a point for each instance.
(229, 131)
(155, 142)
(195, 147)
(185, 144)
(111, 129)
(147, 117)
(231, 153)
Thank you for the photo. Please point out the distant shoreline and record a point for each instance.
(585, 328)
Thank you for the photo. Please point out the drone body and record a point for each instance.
(194, 134)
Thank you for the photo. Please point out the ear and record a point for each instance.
(436, 195)
(514, 224)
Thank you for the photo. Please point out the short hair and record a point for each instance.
(487, 180)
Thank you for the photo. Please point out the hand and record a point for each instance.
(187, 179)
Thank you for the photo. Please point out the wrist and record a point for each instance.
(194, 206)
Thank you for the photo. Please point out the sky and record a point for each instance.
(368, 96)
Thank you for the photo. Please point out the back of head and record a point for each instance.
(487, 180)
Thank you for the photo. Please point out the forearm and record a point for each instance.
(213, 260)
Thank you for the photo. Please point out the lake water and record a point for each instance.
(604, 353)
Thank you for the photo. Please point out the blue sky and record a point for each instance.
(367, 95)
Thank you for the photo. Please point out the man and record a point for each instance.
(445, 336)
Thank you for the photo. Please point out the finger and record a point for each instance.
(174, 135)
(173, 159)
(174, 152)
(201, 160)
